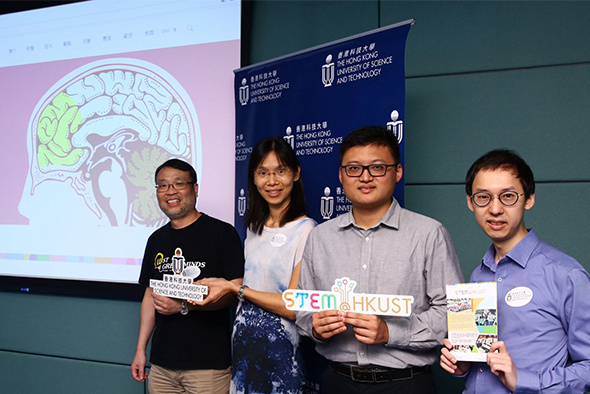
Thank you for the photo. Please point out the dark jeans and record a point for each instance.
(335, 383)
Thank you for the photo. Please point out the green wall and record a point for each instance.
(480, 75)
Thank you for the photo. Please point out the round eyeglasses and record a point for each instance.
(375, 170)
(507, 198)
(178, 185)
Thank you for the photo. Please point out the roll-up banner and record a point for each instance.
(313, 99)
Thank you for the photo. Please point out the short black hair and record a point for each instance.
(178, 165)
(371, 135)
(504, 159)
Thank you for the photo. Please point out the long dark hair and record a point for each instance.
(258, 210)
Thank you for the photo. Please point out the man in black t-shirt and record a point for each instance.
(191, 345)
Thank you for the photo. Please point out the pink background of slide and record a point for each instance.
(206, 73)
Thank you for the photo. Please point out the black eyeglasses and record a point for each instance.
(178, 185)
(507, 198)
(375, 170)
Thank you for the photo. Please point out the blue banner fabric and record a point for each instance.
(313, 99)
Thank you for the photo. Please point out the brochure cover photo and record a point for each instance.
(472, 317)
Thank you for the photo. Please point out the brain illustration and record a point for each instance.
(104, 128)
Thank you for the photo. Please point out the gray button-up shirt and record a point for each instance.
(405, 254)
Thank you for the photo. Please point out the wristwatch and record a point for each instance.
(240, 294)
(183, 308)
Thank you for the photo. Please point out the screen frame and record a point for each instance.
(83, 288)
(77, 288)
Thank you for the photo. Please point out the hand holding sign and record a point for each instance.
(368, 329)
(218, 287)
(328, 323)
(343, 298)
(165, 305)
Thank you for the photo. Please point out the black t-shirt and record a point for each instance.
(200, 339)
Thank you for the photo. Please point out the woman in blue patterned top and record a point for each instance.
(266, 355)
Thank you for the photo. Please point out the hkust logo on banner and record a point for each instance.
(328, 72)
(337, 203)
(242, 203)
(396, 126)
(244, 92)
(327, 204)
(354, 64)
(343, 298)
(289, 137)
(264, 86)
(312, 138)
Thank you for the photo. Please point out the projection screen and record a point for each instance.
(96, 95)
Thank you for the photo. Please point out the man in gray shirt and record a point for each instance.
(387, 250)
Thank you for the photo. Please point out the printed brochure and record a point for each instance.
(472, 316)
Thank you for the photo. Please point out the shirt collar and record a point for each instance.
(520, 254)
(391, 218)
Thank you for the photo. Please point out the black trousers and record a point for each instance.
(335, 383)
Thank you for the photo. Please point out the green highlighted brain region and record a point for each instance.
(104, 128)
(58, 121)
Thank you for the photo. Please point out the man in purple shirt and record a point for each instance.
(543, 294)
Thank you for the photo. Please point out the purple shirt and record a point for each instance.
(543, 317)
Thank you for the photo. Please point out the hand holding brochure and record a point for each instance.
(472, 316)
